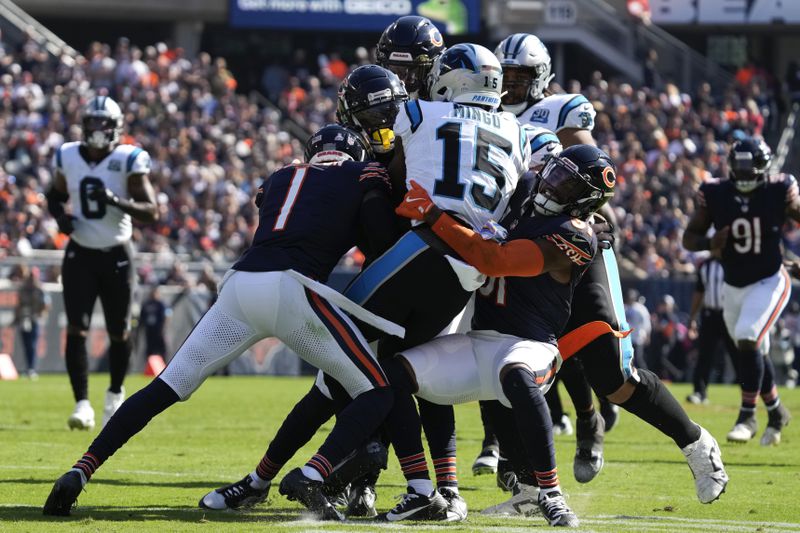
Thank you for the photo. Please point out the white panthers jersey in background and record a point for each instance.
(98, 225)
(469, 160)
(560, 111)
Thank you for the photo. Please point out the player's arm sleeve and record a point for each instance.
(699, 286)
(792, 198)
(137, 162)
(376, 216)
(694, 238)
(578, 113)
(57, 194)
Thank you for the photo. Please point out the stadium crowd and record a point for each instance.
(211, 146)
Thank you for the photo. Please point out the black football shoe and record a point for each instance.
(239, 495)
(371, 457)
(415, 506)
(297, 487)
(361, 501)
(64, 495)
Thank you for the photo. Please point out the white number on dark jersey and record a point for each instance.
(749, 232)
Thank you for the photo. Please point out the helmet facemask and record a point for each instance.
(101, 132)
(562, 190)
(523, 86)
(745, 173)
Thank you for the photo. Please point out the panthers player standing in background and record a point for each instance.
(105, 184)
(408, 47)
(748, 212)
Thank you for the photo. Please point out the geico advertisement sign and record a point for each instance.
(348, 7)
(725, 11)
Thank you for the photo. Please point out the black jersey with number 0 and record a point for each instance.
(753, 251)
(536, 308)
(309, 216)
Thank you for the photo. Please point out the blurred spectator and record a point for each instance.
(669, 333)
(639, 320)
(32, 306)
(153, 322)
(792, 80)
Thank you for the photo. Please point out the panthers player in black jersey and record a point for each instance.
(408, 47)
(748, 212)
(512, 353)
(106, 185)
(309, 216)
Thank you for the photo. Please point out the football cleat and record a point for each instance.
(778, 419)
(486, 462)
(456, 506)
(555, 509)
(413, 506)
(239, 495)
(705, 462)
(524, 502)
(610, 413)
(745, 428)
(371, 457)
(589, 451)
(64, 494)
(113, 401)
(297, 487)
(82, 417)
(697, 398)
(563, 426)
(506, 477)
(361, 501)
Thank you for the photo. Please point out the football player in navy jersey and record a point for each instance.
(748, 212)
(512, 353)
(309, 216)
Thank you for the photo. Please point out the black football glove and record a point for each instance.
(604, 232)
(105, 196)
(65, 224)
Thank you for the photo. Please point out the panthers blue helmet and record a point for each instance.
(408, 47)
(334, 143)
(576, 182)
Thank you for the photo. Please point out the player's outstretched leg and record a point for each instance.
(652, 402)
(313, 410)
(78, 369)
(130, 418)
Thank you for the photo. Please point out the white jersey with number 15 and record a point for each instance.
(469, 160)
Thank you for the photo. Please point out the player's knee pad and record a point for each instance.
(648, 385)
(519, 386)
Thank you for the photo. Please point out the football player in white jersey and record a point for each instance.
(104, 184)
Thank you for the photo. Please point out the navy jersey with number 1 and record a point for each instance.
(311, 215)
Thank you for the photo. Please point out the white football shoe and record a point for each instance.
(778, 419)
(113, 401)
(563, 426)
(744, 429)
(705, 462)
(524, 502)
(82, 417)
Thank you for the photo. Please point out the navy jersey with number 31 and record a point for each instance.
(311, 215)
(753, 250)
(536, 308)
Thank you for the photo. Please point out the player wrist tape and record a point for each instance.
(432, 215)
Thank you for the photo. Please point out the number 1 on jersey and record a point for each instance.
(291, 196)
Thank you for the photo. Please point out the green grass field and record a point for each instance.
(155, 482)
